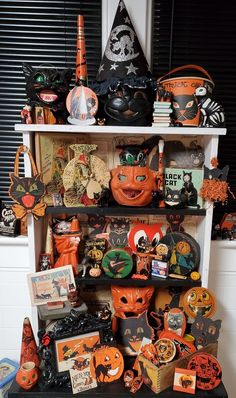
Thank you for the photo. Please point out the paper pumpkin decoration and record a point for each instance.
(199, 301)
(117, 263)
(208, 370)
(133, 185)
(85, 177)
(143, 238)
(185, 252)
(27, 376)
(128, 301)
(27, 192)
(175, 321)
(166, 350)
(107, 364)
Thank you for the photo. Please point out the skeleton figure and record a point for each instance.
(212, 113)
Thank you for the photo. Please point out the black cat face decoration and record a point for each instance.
(47, 87)
(119, 228)
(175, 198)
(205, 331)
(185, 107)
(130, 332)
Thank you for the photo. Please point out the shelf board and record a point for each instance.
(116, 210)
(153, 281)
(69, 128)
(111, 390)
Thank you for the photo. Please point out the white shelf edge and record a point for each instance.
(69, 128)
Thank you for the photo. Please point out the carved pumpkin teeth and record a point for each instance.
(201, 310)
(48, 96)
(113, 372)
(131, 193)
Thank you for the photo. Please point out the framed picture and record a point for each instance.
(50, 285)
(67, 346)
(69, 349)
(184, 380)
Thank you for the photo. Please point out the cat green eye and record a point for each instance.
(39, 78)
(20, 188)
(33, 187)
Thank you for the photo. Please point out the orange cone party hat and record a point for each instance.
(29, 351)
(81, 64)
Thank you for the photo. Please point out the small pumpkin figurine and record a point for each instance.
(133, 185)
(95, 271)
(27, 376)
(107, 364)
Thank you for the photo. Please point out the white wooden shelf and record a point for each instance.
(69, 128)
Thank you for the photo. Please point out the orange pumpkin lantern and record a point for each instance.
(27, 376)
(133, 185)
(131, 301)
(199, 301)
(107, 364)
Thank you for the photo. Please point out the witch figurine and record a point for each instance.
(124, 84)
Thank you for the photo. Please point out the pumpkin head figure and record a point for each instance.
(131, 301)
(199, 301)
(133, 185)
(107, 364)
(27, 376)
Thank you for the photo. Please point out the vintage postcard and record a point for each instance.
(50, 285)
(184, 380)
(70, 349)
(81, 379)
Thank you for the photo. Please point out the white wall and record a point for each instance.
(223, 284)
(15, 302)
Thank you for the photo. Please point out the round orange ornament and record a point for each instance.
(107, 364)
(199, 301)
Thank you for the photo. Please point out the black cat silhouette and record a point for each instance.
(190, 190)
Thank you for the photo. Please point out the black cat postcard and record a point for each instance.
(184, 181)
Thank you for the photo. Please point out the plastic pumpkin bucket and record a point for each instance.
(185, 106)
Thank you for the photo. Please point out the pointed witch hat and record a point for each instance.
(29, 351)
(123, 59)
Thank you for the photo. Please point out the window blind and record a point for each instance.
(38, 32)
(204, 33)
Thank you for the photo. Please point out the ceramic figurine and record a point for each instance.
(67, 247)
(27, 376)
(212, 113)
(85, 177)
(47, 88)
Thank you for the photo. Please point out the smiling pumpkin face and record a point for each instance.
(133, 185)
(183, 247)
(107, 364)
(199, 301)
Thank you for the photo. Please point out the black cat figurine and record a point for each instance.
(212, 113)
(189, 189)
(175, 198)
(48, 88)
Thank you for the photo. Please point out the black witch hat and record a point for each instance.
(123, 60)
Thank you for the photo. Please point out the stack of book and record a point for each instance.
(161, 114)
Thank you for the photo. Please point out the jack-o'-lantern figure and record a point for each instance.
(208, 370)
(107, 364)
(27, 376)
(133, 185)
(183, 247)
(143, 238)
(131, 301)
(186, 381)
(199, 301)
(175, 321)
